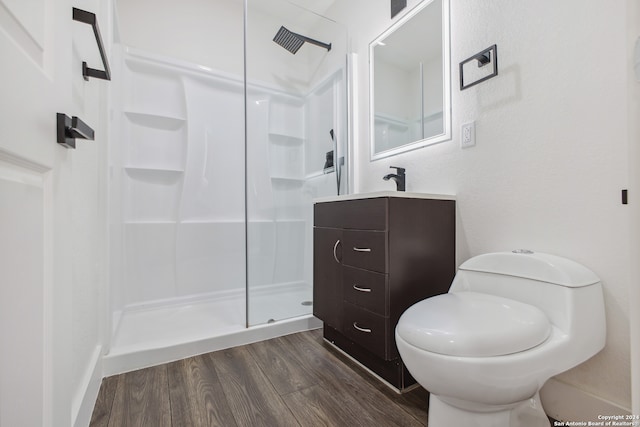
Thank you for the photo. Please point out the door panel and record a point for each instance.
(22, 243)
(24, 22)
(34, 83)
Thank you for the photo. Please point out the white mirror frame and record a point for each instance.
(446, 72)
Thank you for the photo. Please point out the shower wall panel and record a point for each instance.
(150, 262)
(275, 176)
(208, 33)
(209, 257)
(214, 174)
(180, 167)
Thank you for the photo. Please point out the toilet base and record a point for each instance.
(528, 413)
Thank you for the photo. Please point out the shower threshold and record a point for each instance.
(148, 335)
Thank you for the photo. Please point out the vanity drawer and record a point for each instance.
(366, 328)
(328, 214)
(362, 214)
(366, 289)
(365, 214)
(365, 249)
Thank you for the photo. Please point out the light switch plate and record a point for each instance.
(468, 135)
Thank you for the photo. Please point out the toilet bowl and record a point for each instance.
(510, 321)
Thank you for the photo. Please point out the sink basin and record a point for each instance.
(375, 194)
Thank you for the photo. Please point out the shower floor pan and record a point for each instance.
(148, 335)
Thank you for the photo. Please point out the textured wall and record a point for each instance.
(552, 135)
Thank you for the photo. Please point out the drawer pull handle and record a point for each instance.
(355, 325)
(361, 249)
(358, 288)
(335, 247)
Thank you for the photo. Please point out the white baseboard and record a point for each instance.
(85, 397)
(564, 402)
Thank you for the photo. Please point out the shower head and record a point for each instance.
(293, 41)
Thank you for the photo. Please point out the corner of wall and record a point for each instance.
(633, 109)
(565, 402)
(85, 397)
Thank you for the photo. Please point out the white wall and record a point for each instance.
(633, 102)
(204, 32)
(552, 135)
(210, 33)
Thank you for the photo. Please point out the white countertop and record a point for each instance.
(375, 194)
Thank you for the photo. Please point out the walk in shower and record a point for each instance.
(221, 138)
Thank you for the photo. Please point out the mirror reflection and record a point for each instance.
(409, 79)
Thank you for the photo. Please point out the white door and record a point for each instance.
(39, 77)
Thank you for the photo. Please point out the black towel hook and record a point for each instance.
(90, 18)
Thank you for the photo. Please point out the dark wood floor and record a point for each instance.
(296, 380)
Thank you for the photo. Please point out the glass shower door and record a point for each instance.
(295, 148)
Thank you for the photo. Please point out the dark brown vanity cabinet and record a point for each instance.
(327, 270)
(373, 259)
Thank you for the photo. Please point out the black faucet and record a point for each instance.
(399, 178)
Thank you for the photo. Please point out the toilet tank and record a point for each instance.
(567, 292)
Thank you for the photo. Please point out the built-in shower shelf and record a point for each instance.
(149, 222)
(146, 63)
(157, 121)
(283, 139)
(320, 174)
(287, 179)
(148, 181)
(211, 221)
(153, 169)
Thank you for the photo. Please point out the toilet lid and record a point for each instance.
(473, 324)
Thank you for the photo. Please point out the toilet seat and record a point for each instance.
(472, 324)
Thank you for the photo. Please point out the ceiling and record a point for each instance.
(305, 13)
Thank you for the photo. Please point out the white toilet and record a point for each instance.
(510, 321)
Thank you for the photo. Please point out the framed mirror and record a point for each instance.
(410, 82)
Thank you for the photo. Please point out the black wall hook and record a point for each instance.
(68, 129)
